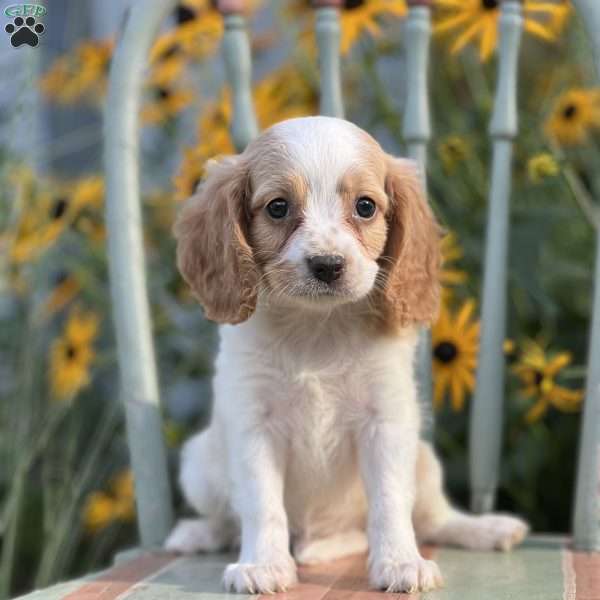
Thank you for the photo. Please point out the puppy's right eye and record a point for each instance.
(278, 208)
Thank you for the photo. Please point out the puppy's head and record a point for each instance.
(313, 214)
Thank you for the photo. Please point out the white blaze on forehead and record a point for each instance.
(321, 149)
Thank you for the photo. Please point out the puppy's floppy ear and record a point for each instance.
(412, 257)
(213, 253)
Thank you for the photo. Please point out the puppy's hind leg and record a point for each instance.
(202, 483)
(437, 522)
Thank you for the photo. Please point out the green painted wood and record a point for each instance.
(586, 520)
(127, 271)
(197, 577)
(533, 572)
(327, 28)
(416, 125)
(238, 70)
(536, 571)
(416, 130)
(487, 404)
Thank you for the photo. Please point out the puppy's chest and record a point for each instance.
(320, 417)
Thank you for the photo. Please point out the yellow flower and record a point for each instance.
(98, 512)
(361, 16)
(453, 151)
(478, 20)
(72, 354)
(79, 75)
(101, 509)
(87, 196)
(166, 71)
(66, 287)
(451, 252)
(357, 17)
(282, 94)
(88, 192)
(165, 103)
(197, 34)
(45, 210)
(573, 117)
(537, 372)
(455, 343)
(542, 166)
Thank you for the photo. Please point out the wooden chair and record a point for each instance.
(544, 568)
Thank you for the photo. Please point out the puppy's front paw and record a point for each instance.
(260, 579)
(418, 575)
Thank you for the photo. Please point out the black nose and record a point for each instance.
(326, 267)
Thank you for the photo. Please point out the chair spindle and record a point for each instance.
(487, 405)
(416, 129)
(131, 313)
(238, 70)
(327, 28)
(586, 522)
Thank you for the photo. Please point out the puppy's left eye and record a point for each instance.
(365, 207)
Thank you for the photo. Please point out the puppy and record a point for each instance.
(319, 255)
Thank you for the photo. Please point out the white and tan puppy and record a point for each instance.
(319, 255)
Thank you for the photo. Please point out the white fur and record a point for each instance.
(315, 419)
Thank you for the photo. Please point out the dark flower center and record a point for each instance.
(183, 14)
(351, 4)
(445, 352)
(60, 278)
(162, 93)
(538, 378)
(170, 52)
(58, 209)
(71, 352)
(489, 4)
(569, 111)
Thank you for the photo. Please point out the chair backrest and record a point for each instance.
(139, 387)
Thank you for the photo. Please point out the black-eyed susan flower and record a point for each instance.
(197, 34)
(282, 94)
(477, 21)
(103, 508)
(87, 196)
(451, 252)
(45, 210)
(88, 192)
(213, 133)
(538, 372)
(542, 166)
(164, 104)
(357, 18)
(81, 74)
(455, 343)
(453, 151)
(65, 288)
(72, 354)
(575, 115)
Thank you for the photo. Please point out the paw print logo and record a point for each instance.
(24, 31)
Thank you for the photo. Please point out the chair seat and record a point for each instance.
(542, 569)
